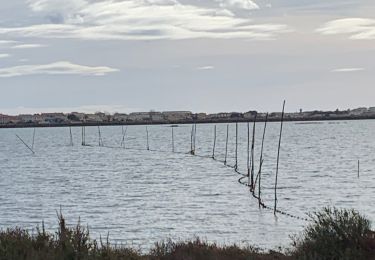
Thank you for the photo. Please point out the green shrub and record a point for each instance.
(335, 234)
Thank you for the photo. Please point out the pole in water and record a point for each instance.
(148, 144)
(248, 153)
(236, 165)
(71, 136)
(259, 175)
(278, 157)
(195, 136)
(358, 168)
(252, 154)
(123, 136)
(214, 146)
(32, 145)
(100, 137)
(83, 138)
(172, 139)
(226, 146)
(25, 144)
(191, 140)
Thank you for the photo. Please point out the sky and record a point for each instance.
(196, 55)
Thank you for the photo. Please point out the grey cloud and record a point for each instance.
(144, 20)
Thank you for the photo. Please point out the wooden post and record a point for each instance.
(172, 140)
(191, 140)
(248, 154)
(226, 146)
(252, 155)
(358, 168)
(148, 144)
(28, 147)
(236, 165)
(123, 136)
(261, 161)
(195, 136)
(71, 136)
(83, 136)
(100, 137)
(278, 157)
(214, 146)
(32, 145)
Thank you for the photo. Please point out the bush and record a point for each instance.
(200, 250)
(335, 234)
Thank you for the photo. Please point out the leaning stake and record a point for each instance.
(25, 144)
(261, 161)
(278, 157)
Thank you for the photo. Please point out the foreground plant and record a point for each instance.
(336, 234)
(332, 234)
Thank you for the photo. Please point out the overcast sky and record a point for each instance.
(197, 55)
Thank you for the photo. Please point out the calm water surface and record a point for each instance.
(141, 196)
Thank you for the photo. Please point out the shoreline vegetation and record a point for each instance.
(331, 234)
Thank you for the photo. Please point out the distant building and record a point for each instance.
(5, 119)
(139, 116)
(54, 117)
(201, 116)
(93, 118)
(358, 111)
(178, 115)
(157, 116)
(120, 117)
(26, 118)
(250, 114)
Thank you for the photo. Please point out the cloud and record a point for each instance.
(4, 55)
(206, 68)
(28, 46)
(356, 28)
(238, 4)
(57, 68)
(348, 69)
(142, 20)
(3, 42)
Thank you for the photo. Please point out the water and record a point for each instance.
(141, 197)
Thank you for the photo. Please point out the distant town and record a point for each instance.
(174, 117)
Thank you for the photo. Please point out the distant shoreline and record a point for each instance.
(182, 122)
